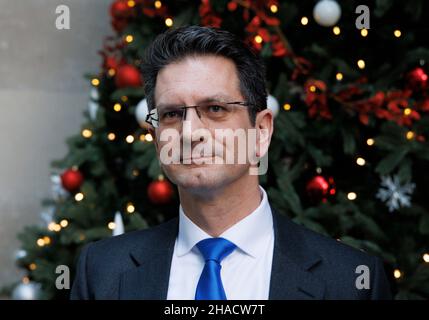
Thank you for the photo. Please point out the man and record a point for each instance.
(227, 243)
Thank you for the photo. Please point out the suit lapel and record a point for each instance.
(149, 280)
(291, 276)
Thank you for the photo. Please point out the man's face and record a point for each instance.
(190, 82)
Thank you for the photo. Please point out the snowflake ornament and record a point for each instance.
(394, 194)
(57, 190)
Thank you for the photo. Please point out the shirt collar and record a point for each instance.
(247, 234)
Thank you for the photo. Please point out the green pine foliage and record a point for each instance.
(322, 130)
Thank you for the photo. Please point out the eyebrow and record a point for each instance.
(214, 98)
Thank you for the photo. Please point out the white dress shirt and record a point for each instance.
(245, 273)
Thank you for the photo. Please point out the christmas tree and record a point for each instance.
(349, 87)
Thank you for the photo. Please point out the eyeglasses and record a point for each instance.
(210, 113)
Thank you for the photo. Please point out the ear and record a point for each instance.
(264, 125)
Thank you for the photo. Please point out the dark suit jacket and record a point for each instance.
(306, 265)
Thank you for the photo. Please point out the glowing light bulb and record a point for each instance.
(79, 196)
(360, 161)
(407, 111)
(287, 106)
(40, 242)
(397, 273)
(47, 240)
(258, 39)
(336, 30)
(169, 22)
(86, 133)
(129, 139)
(351, 196)
(410, 135)
(130, 208)
(129, 38)
(304, 21)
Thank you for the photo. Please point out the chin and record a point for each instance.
(192, 177)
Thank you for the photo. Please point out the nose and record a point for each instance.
(190, 113)
(190, 134)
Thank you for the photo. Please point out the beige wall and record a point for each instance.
(42, 96)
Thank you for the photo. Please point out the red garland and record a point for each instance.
(120, 13)
(317, 99)
(208, 16)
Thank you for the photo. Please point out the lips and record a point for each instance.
(195, 159)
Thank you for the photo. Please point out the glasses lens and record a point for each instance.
(171, 116)
(216, 111)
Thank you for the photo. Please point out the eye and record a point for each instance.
(216, 108)
(172, 114)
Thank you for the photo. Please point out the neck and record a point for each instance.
(222, 208)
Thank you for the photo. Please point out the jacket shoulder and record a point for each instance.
(339, 265)
(126, 242)
(101, 263)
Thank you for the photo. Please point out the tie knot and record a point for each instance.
(215, 248)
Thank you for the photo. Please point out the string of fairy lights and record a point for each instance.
(147, 137)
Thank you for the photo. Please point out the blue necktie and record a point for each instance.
(210, 284)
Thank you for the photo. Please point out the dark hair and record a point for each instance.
(176, 44)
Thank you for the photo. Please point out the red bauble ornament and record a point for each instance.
(128, 76)
(121, 12)
(417, 79)
(71, 180)
(318, 188)
(160, 191)
(120, 9)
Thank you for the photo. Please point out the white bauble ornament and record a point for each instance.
(141, 113)
(327, 13)
(119, 225)
(26, 291)
(92, 110)
(273, 105)
(20, 254)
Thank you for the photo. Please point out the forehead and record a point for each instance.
(195, 78)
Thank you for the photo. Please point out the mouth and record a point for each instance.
(192, 160)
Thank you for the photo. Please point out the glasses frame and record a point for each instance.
(154, 122)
